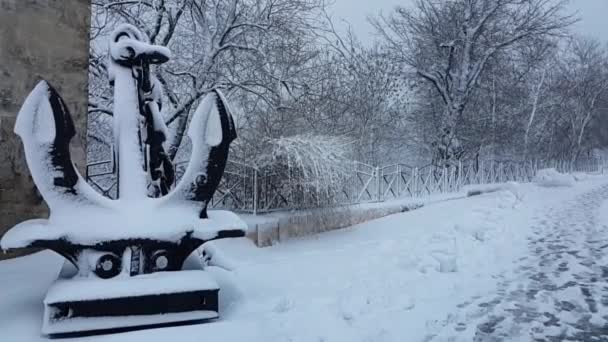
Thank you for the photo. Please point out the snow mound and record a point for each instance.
(479, 189)
(552, 178)
(448, 262)
(580, 176)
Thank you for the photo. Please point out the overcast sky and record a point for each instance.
(593, 14)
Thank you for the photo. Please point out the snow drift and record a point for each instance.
(552, 178)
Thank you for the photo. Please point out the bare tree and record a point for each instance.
(450, 43)
(216, 44)
(582, 82)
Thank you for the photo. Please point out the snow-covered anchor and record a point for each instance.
(132, 261)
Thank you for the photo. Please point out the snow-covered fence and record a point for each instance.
(101, 175)
(249, 189)
(400, 180)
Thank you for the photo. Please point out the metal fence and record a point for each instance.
(248, 189)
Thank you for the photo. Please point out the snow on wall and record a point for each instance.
(267, 230)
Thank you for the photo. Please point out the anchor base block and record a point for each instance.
(102, 305)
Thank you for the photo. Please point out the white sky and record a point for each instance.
(593, 14)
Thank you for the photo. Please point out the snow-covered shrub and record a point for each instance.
(552, 178)
(308, 169)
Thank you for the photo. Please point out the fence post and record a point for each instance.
(415, 182)
(378, 184)
(529, 170)
(255, 191)
(445, 180)
(501, 172)
(530, 175)
(448, 178)
(460, 175)
(453, 180)
(398, 180)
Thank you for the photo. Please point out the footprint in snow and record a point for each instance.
(284, 305)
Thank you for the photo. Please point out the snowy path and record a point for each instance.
(504, 264)
(559, 292)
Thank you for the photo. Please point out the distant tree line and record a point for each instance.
(445, 81)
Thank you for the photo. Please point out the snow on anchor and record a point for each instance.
(131, 261)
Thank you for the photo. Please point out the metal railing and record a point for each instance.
(248, 189)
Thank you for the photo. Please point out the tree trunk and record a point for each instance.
(533, 113)
(447, 146)
(177, 137)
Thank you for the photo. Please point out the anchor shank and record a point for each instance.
(131, 175)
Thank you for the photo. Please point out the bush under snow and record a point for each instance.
(552, 178)
(310, 168)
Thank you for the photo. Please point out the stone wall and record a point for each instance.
(39, 39)
(266, 230)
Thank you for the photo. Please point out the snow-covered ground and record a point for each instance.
(428, 274)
